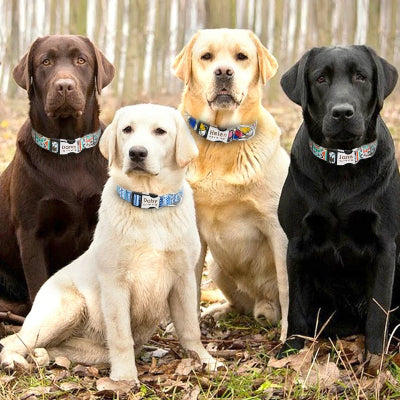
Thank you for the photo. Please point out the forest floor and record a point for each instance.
(323, 370)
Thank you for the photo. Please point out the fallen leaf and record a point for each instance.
(57, 374)
(186, 366)
(193, 394)
(38, 391)
(62, 362)
(321, 375)
(294, 361)
(121, 387)
(69, 386)
(4, 379)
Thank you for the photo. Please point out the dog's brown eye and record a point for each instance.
(241, 56)
(46, 62)
(81, 60)
(360, 77)
(206, 56)
(321, 79)
(160, 131)
(127, 129)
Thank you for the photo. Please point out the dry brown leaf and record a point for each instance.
(193, 394)
(376, 384)
(69, 386)
(62, 362)
(38, 391)
(57, 374)
(352, 350)
(121, 387)
(321, 375)
(294, 361)
(4, 379)
(186, 366)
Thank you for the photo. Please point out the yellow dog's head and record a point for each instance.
(223, 67)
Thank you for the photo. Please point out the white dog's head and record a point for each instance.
(221, 66)
(147, 140)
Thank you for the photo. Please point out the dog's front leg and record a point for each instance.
(182, 305)
(115, 304)
(298, 303)
(199, 271)
(380, 300)
(33, 261)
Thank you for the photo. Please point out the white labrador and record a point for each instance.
(104, 305)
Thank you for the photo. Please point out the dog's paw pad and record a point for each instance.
(40, 357)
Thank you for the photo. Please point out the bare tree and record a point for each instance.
(77, 16)
(12, 50)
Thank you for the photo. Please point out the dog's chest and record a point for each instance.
(341, 238)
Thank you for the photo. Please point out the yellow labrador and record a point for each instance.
(106, 304)
(238, 177)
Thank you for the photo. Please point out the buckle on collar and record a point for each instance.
(54, 146)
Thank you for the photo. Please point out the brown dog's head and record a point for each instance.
(221, 67)
(62, 71)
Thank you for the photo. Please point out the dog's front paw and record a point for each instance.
(291, 346)
(125, 375)
(11, 361)
(218, 311)
(40, 357)
(211, 364)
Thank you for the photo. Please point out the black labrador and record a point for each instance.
(340, 205)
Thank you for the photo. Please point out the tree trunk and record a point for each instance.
(77, 17)
(129, 90)
(13, 46)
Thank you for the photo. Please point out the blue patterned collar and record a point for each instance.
(214, 134)
(64, 146)
(150, 200)
(342, 157)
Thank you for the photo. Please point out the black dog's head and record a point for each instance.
(341, 91)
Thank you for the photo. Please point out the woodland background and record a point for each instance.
(142, 37)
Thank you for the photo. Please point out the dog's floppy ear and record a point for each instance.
(108, 141)
(386, 76)
(294, 81)
(267, 63)
(182, 64)
(185, 146)
(23, 71)
(104, 70)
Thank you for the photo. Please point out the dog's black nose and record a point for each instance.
(224, 72)
(343, 111)
(65, 85)
(138, 153)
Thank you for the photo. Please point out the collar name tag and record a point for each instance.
(66, 147)
(149, 201)
(343, 158)
(215, 135)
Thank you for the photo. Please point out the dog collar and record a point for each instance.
(214, 134)
(342, 157)
(64, 146)
(150, 200)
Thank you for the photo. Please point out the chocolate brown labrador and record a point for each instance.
(50, 192)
